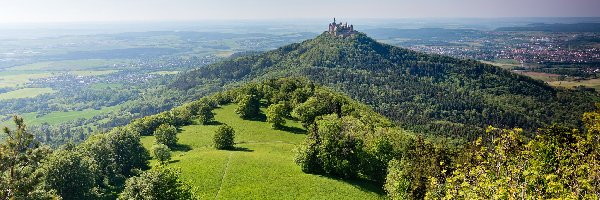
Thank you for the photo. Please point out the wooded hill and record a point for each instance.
(430, 94)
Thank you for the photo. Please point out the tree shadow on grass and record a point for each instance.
(261, 118)
(173, 161)
(214, 123)
(182, 147)
(294, 130)
(361, 184)
(243, 149)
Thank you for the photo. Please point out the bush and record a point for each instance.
(166, 134)
(332, 147)
(70, 174)
(275, 114)
(158, 183)
(205, 114)
(161, 152)
(248, 106)
(224, 137)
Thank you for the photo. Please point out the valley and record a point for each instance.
(468, 109)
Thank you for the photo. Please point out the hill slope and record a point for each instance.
(423, 92)
(262, 167)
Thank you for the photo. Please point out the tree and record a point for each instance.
(20, 156)
(205, 114)
(157, 183)
(119, 155)
(161, 152)
(332, 147)
(276, 114)
(69, 173)
(224, 137)
(407, 176)
(166, 134)
(248, 106)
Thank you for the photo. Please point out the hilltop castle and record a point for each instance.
(341, 29)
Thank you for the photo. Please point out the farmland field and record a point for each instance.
(66, 65)
(59, 117)
(25, 93)
(16, 79)
(592, 83)
(262, 166)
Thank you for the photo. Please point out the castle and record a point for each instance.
(341, 29)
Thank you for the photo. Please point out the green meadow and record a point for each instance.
(25, 93)
(69, 65)
(59, 117)
(261, 167)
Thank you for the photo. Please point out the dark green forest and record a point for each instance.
(430, 94)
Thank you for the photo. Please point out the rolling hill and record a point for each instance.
(427, 93)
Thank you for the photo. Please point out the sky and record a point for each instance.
(20, 11)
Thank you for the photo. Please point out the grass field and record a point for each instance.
(68, 65)
(59, 117)
(593, 83)
(503, 63)
(539, 75)
(15, 79)
(25, 93)
(262, 167)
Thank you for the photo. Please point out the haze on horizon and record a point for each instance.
(41, 11)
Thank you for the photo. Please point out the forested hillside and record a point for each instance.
(430, 94)
(352, 148)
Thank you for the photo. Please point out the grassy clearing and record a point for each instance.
(261, 168)
(504, 64)
(224, 54)
(592, 83)
(18, 79)
(25, 93)
(539, 75)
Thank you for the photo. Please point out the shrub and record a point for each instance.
(157, 183)
(161, 152)
(205, 114)
(275, 114)
(166, 134)
(224, 137)
(248, 106)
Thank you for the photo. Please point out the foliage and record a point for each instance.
(20, 156)
(161, 152)
(70, 174)
(275, 115)
(205, 114)
(118, 154)
(224, 137)
(261, 167)
(559, 163)
(166, 134)
(332, 147)
(157, 183)
(408, 176)
(431, 94)
(248, 106)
